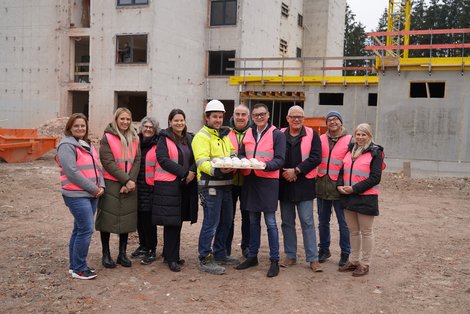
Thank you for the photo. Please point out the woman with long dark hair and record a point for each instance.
(82, 184)
(175, 189)
(117, 210)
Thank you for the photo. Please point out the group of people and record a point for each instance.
(154, 177)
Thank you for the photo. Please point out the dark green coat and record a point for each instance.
(117, 212)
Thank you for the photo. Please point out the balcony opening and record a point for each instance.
(81, 59)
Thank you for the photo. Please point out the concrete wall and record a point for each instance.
(32, 51)
(174, 74)
(432, 133)
(324, 32)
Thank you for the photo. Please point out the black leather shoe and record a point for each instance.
(273, 269)
(179, 262)
(123, 260)
(344, 259)
(174, 267)
(149, 258)
(323, 255)
(249, 262)
(107, 261)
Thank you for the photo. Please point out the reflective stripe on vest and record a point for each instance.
(150, 164)
(264, 152)
(331, 162)
(305, 147)
(357, 171)
(87, 164)
(115, 144)
(160, 173)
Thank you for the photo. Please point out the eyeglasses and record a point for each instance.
(296, 117)
(148, 127)
(332, 119)
(259, 115)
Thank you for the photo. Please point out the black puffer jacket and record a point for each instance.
(364, 204)
(174, 201)
(144, 191)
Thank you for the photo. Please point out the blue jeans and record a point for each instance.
(255, 234)
(324, 214)
(83, 210)
(305, 211)
(217, 212)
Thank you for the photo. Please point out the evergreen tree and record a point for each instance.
(354, 42)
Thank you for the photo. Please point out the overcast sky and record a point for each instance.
(368, 12)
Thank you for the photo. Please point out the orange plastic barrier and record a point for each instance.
(316, 123)
(23, 145)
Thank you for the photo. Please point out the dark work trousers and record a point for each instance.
(171, 243)
(236, 196)
(149, 231)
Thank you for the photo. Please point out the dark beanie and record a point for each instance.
(334, 114)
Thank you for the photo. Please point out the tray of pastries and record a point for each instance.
(237, 163)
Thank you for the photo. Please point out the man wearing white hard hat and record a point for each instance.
(215, 190)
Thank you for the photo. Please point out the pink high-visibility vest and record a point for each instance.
(233, 138)
(264, 152)
(115, 144)
(357, 171)
(160, 173)
(305, 147)
(150, 164)
(331, 162)
(88, 165)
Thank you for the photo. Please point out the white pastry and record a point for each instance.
(218, 162)
(228, 162)
(245, 163)
(236, 162)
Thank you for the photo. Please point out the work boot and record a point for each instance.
(149, 258)
(347, 267)
(139, 252)
(344, 259)
(106, 260)
(249, 262)
(122, 257)
(323, 255)
(316, 267)
(273, 269)
(174, 267)
(208, 265)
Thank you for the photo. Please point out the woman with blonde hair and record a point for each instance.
(117, 209)
(358, 184)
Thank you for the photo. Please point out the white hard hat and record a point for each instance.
(215, 105)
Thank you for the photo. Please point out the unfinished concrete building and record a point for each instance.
(60, 57)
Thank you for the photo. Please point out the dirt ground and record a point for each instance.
(421, 259)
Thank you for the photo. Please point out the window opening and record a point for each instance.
(131, 49)
(223, 12)
(372, 100)
(331, 99)
(136, 102)
(219, 62)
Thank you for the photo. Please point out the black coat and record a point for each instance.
(262, 194)
(174, 201)
(364, 204)
(302, 189)
(144, 191)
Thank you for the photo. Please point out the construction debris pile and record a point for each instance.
(53, 128)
